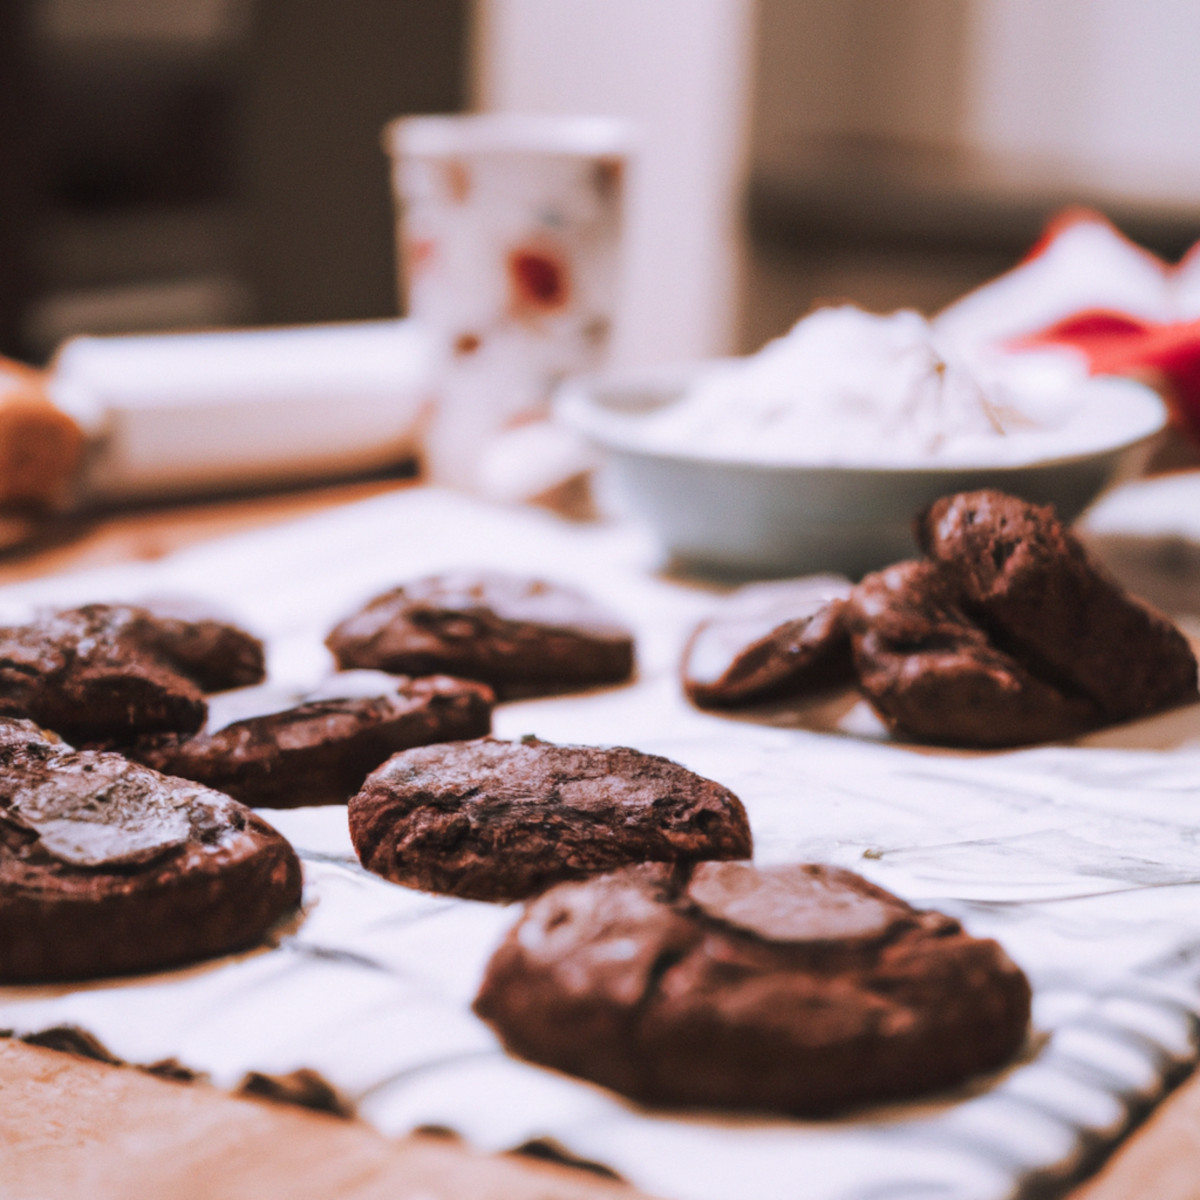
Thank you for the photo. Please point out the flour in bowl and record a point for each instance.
(850, 388)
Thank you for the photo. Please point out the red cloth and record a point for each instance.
(1118, 344)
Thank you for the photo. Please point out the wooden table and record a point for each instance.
(73, 1128)
(70, 1127)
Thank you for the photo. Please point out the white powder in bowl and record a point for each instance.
(849, 388)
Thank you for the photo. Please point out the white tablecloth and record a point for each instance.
(1083, 860)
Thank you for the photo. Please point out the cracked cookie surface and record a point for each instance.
(496, 820)
(801, 989)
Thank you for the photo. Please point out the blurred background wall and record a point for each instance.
(198, 163)
(680, 70)
(190, 163)
(903, 151)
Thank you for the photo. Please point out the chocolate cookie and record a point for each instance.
(108, 867)
(1024, 577)
(320, 752)
(932, 674)
(110, 672)
(769, 641)
(493, 820)
(519, 635)
(796, 989)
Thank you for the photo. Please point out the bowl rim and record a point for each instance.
(576, 406)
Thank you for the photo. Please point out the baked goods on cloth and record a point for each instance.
(769, 641)
(800, 989)
(495, 820)
(321, 751)
(1006, 634)
(520, 636)
(1027, 578)
(1009, 633)
(108, 867)
(108, 672)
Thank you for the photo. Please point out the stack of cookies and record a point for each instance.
(1006, 633)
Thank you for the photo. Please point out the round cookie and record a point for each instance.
(520, 636)
(321, 751)
(495, 820)
(108, 672)
(798, 989)
(934, 675)
(108, 867)
(769, 641)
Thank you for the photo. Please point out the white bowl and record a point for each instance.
(726, 516)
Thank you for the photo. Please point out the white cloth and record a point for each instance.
(1081, 859)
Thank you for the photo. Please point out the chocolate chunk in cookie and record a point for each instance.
(797, 989)
(933, 674)
(1030, 582)
(108, 867)
(770, 641)
(110, 672)
(494, 820)
(521, 636)
(321, 751)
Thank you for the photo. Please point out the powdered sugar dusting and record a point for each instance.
(850, 388)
